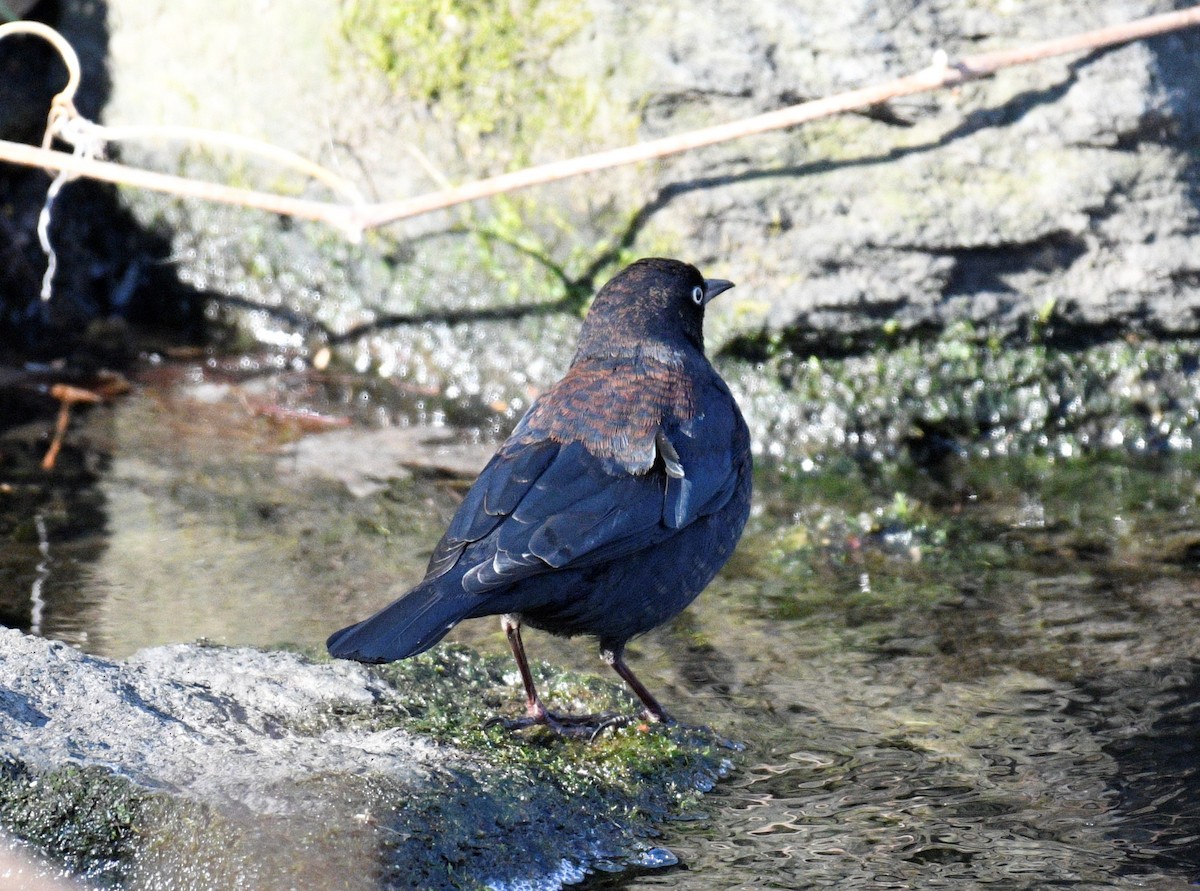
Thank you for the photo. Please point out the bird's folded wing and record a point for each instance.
(501, 485)
(579, 513)
(708, 478)
(574, 487)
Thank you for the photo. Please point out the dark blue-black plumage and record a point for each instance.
(614, 502)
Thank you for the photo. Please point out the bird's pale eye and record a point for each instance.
(698, 295)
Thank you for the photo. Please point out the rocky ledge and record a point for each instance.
(223, 767)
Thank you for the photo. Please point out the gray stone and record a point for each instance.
(217, 724)
(1068, 185)
(211, 767)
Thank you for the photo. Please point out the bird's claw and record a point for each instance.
(589, 727)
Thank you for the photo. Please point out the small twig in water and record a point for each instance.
(66, 396)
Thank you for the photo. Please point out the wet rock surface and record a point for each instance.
(187, 719)
(119, 769)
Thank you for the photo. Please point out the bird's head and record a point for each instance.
(651, 300)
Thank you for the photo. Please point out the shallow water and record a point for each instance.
(980, 673)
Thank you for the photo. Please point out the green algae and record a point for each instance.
(1040, 393)
(483, 64)
(90, 820)
(454, 694)
(542, 791)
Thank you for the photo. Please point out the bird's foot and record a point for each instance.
(613, 722)
(589, 727)
(645, 720)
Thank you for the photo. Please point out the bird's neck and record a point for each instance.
(640, 351)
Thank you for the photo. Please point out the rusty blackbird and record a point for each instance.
(617, 498)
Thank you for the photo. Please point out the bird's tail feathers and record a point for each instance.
(411, 625)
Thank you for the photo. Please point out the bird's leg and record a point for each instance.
(569, 724)
(533, 705)
(615, 658)
(535, 712)
(586, 726)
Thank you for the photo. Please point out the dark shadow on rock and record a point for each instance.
(980, 119)
(109, 266)
(567, 303)
(986, 268)
(311, 326)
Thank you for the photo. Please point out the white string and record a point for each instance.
(36, 599)
(87, 143)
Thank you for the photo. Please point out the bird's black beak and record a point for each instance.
(715, 286)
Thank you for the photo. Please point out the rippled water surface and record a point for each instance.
(971, 674)
(1010, 698)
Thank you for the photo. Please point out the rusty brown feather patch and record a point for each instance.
(615, 409)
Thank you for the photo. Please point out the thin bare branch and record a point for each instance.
(341, 216)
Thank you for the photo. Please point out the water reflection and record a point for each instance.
(1155, 742)
(852, 809)
(53, 532)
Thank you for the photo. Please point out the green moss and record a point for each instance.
(542, 791)
(483, 64)
(452, 693)
(86, 818)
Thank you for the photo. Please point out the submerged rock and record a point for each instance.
(365, 462)
(201, 766)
